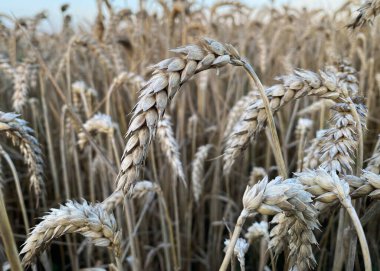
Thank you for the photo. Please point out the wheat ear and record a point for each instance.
(293, 86)
(367, 13)
(90, 220)
(169, 146)
(197, 173)
(22, 136)
(169, 75)
(288, 197)
(99, 123)
(238, 109)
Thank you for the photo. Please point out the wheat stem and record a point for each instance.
(272, 127)
(230, 250)
(7, 237)
(359, 229)
(18, 188)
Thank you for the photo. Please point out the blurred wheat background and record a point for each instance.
(185, 135)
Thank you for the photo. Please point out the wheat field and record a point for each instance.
(191, 137)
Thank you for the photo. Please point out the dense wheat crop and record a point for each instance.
(191, 138)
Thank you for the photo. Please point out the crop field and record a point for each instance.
(191, 137)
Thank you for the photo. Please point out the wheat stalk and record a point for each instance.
(303, 127)
(90, 220)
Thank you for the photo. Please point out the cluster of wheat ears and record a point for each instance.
(268, 159)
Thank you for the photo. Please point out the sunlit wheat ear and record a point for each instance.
(168, 77)
(241, 248)
(22, 136)
(198, 171)
(300, 83)
(367, 13)
(237, 110)
(169, 146)
(257, 231)
(99, 123)
(334, 148)
(90, 220)
(286, 197)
